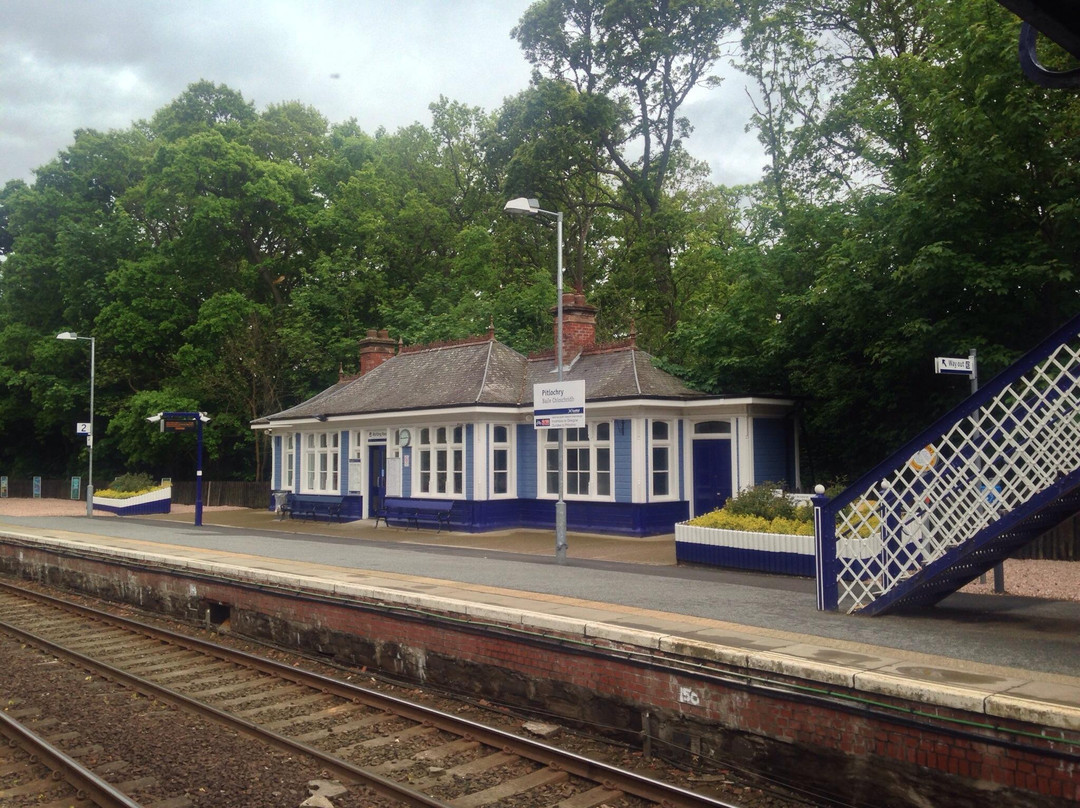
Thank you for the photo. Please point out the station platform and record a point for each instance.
(997, 655)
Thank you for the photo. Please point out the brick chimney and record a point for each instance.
(579, 325)
(375, 349)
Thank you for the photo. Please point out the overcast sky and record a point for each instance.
(104, 64)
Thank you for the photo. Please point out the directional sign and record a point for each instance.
(952, 364)
(559, 405)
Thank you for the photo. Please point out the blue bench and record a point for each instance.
(412, 512)
(316, 509)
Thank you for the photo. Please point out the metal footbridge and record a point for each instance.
(987, 478)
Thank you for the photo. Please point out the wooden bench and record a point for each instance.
(316, 509)
(414, 511)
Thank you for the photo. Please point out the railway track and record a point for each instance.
(403, 751)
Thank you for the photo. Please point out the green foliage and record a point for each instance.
(132, 483)
(759, 509)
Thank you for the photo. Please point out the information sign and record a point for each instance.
(37, 488)
(82, 428)
(952, 364)
(76, 484)
(559, 405)
(3, 487)
(177, 424)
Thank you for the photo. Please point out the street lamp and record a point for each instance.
(522, 206)
(69, 335)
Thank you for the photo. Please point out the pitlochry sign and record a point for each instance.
(559, 405)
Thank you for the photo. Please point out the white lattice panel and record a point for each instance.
(989, 463)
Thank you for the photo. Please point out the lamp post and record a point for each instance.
(71, 335)
(523, 206)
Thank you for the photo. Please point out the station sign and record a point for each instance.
(961, 366)
(559, 405)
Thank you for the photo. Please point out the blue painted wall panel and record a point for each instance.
(740, 559)
(279, 442)
(469, 458)
(526, 461)
(406, 471)
(343, 462)
(624, 461)
(771, 450)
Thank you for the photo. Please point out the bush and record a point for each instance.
(760, 510)
(761, 500)
(132, 483)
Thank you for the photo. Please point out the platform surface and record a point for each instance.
(968, 648)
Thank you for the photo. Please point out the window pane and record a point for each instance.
(660, 458)
(660, 430)
(499, 434)
(440, 435)
(603, 432)
(553, 436)
(500, 460)
(603, 459)
(712, 428)
(603, 485)
(660, 484)
(457, 434)
(501, 483)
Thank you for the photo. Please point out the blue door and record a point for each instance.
(376, 478)
(712, 474)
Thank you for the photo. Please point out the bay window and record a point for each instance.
(321, 462)
(441, 460)
(587, 461)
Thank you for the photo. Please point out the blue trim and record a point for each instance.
(611, 518)
(279, 442)
(741, 559)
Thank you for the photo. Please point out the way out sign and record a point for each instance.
(960, 366)
(559, 405)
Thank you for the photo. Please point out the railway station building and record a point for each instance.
(454, 422)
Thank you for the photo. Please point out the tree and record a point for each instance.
(645, 57)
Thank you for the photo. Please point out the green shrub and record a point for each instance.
(761, 500)
(759, 510)
(132, 483)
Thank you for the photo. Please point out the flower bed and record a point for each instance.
(785, 553)
(157, 501)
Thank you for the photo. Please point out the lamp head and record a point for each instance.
(67, 335)
(522, 206)
(154, 418)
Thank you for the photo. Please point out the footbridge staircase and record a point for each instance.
(984, 480)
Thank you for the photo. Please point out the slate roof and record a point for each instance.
(485, 373)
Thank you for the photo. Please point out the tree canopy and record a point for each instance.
(918, 199)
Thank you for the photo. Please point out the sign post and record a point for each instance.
(185, 422)
(559, 405)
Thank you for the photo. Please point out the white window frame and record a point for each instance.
(597, 453)
(665, 447)
(439, 462)
(506, 447)
(321, 462)
(288, 461)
